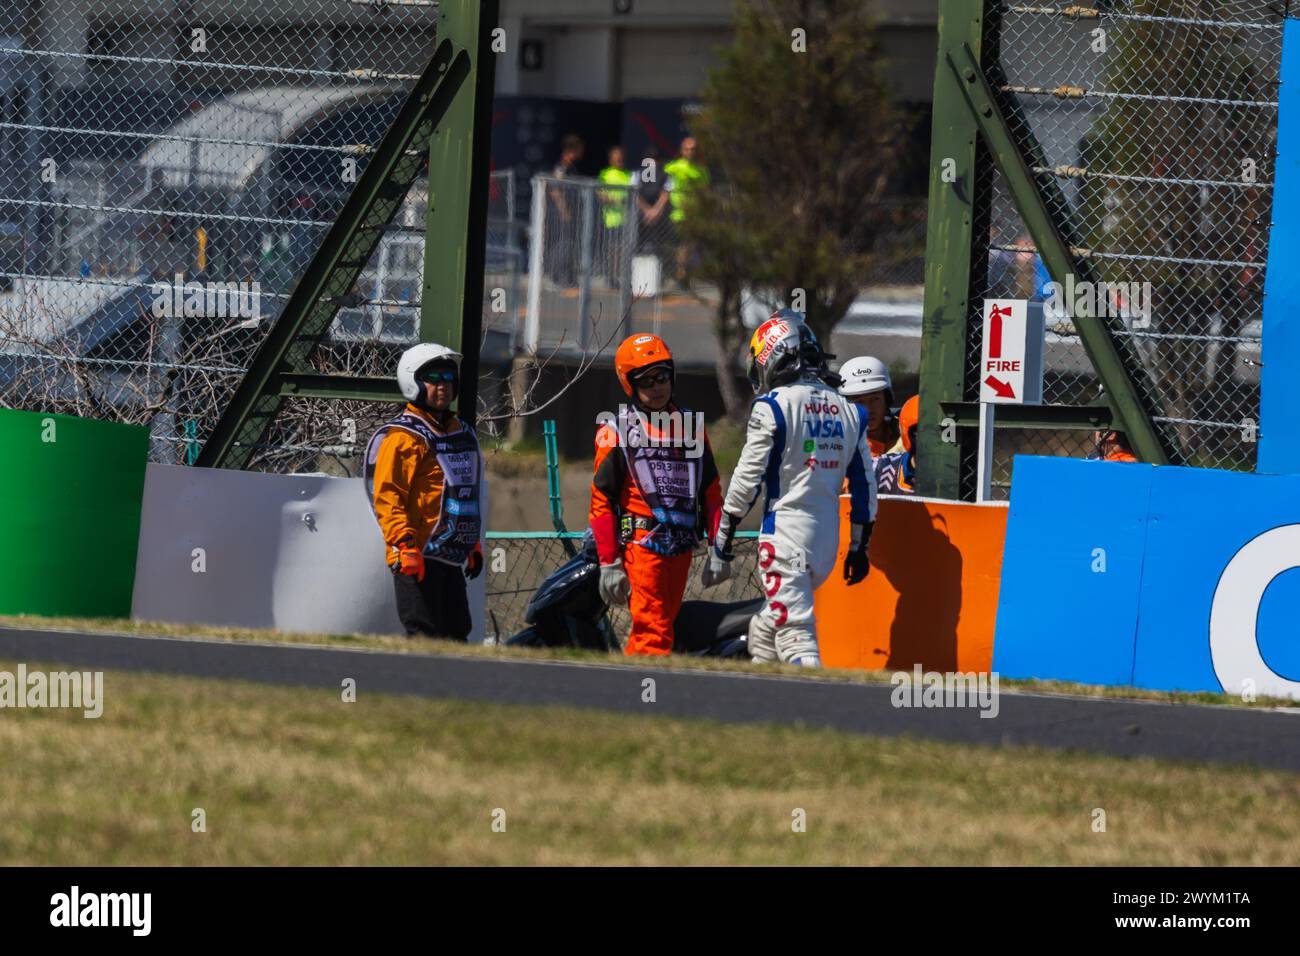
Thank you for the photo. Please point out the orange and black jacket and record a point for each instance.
(614, 493)
(408, 485)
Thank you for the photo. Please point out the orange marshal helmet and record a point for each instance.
(638, 353)
(908, 416)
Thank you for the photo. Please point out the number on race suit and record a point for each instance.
(774, 578)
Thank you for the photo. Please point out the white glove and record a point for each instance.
(717, 570)
(615, 588)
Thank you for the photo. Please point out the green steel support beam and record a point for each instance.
(1115, 366)
(351, 387)
(1078, 418)
(282, 366)
(949, 250)
(333, 271)
(451, 299)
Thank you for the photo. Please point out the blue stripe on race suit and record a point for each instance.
(859, 490)
(772, 480)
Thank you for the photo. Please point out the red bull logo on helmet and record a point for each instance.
(766, 338)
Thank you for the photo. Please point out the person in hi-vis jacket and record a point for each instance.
(423, 477)
(803, 440)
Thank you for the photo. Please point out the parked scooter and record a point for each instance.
(566, 611)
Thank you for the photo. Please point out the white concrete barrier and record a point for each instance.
(243, 549)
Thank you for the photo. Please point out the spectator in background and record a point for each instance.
(561, 219)
(685, 176)
(303, 238)
(1001, 266)
(651, 202)
(1016, 271)
(1112, 446)
(614, 207)
(1025, 268)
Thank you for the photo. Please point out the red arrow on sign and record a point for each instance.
(1002, 389)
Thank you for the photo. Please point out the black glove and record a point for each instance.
(726, 536)
(856, 565)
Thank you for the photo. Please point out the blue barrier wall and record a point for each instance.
(1200, 588)
(1057, 616)
(1279, 430)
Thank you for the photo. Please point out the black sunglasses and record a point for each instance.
(661, 377)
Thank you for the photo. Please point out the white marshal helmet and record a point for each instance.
(864, 375)
(414, 359)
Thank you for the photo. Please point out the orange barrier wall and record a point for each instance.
(931, 597)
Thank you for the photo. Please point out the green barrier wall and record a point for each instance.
(70, 494)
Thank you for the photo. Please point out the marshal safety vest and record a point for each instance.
(459, 525)
(614, 201)
(685, 176)
(895, 474)
(669, 482)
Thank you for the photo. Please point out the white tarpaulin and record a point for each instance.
(243, 549)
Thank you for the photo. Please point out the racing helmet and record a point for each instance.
(783, 350)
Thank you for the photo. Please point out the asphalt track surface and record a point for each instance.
(1266, 738)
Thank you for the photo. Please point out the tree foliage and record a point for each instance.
(802, 139)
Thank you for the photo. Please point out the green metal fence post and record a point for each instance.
(191, 441)
(455, 236)
(553, 486)
(553, 474)
(948, 253)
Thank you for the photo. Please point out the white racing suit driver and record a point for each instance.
(803, 440)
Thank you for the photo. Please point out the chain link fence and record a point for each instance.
(609, 260)
(526, 560)
(168, 171)
(1150, 128)
(584, 245)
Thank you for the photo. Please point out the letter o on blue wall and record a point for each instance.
(1234, 615)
